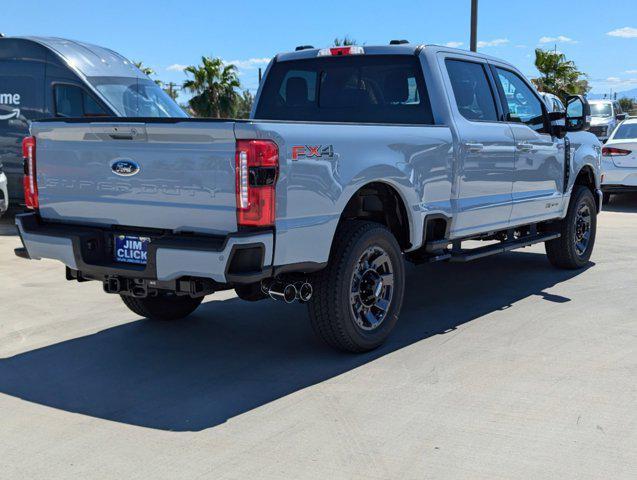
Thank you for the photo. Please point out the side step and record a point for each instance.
(461, 256)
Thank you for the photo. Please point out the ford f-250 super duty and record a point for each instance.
(354, 160)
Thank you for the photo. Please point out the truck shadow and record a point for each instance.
(622, 203)
(232, 356)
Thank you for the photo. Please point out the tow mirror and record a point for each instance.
(578, 113)
(621, 116)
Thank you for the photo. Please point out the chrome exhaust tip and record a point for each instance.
(287, 293)
(305, 292)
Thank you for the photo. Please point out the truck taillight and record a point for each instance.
(30, 182)
(257, 168)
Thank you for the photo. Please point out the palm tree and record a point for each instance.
(214, 87)
(559, 75)
(344, 42)
(145, 70)
(243, 105)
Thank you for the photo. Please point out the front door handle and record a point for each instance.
(524, 147)
(473, 147)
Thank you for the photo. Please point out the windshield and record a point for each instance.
(136, 97)
(601, 110)
(626, 131)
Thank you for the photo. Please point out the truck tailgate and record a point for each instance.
(174, 176)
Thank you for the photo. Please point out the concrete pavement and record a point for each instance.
(530, 373)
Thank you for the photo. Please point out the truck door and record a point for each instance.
(486, 156)
(539, 157)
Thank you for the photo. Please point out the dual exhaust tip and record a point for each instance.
(289, 292)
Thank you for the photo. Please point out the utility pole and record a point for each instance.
(260, 75)
(171, 89)
(474, 26)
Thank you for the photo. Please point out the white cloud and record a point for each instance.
(631, 72)
(493, 43)
(558, 39)
(249, 63)
(176, 67)
(615, 82)
(625, 32)
(454, 44)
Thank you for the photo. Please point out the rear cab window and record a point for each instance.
(358, 88)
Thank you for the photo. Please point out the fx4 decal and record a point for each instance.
(312, 151)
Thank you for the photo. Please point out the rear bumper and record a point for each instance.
(233, 259)
(617, 179)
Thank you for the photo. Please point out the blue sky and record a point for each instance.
(601, 37)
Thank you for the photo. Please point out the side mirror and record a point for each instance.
(621, 116)
(578, 113)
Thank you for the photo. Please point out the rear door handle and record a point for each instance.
(524, 147)
(473, 147)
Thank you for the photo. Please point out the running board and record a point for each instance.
(462, 256)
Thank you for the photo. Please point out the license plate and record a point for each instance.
(131, 249)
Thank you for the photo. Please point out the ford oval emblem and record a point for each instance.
(125, 168)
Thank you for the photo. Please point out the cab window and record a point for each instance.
(355, 88)
(72, 101)
(471, 90)
(523, 105)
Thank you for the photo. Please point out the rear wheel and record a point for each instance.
(358, 296)
(162, 307)
(574, 247)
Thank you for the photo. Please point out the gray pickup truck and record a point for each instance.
(355, 160)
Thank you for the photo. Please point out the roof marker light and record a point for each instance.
(339, 51)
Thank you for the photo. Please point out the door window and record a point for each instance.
(72, 101)
(524, 106)
(472, 91)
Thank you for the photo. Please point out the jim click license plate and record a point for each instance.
(131, 249)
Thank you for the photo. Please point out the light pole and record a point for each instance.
(474, 26)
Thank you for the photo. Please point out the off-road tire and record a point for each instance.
(562, 252)
(162, 307)
(330, 309)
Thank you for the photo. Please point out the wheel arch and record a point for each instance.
(586, 177)
(382, 202)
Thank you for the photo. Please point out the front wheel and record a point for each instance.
(162, 307)
(358, 296)
(574, 247)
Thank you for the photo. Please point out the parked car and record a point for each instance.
(53, 77)
(355, 160)
(605, 116)
(553, 102)
(4, 192)
(619, 160)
